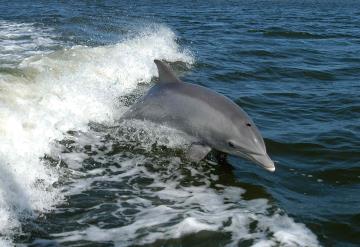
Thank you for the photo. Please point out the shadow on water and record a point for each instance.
(225, 170)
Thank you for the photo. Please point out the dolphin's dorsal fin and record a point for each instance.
(166, 75)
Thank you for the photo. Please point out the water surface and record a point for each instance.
(70, 176)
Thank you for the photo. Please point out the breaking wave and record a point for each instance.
(50, 155)
(47, 95)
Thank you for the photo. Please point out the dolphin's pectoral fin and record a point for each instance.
(197, 152)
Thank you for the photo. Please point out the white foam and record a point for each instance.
(66, 90)
(62, 91)
(5, 243)
(20, 40)
(166, 209)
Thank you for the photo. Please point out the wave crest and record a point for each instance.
(62, 91)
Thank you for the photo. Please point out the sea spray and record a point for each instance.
(62, 91)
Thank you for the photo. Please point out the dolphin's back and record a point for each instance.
(187, 107)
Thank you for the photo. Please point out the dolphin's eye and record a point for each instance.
(231, 144)
(248, 124)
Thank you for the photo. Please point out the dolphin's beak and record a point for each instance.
(264, 161)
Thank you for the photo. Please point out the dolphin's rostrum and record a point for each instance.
(213, 119)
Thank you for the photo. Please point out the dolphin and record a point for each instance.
(214, 120)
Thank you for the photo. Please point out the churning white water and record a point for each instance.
(47, 94)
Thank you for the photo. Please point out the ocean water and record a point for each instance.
(70, 175)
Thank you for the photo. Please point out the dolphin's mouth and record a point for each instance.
(263, 160)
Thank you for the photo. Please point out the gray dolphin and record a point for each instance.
(213, 119)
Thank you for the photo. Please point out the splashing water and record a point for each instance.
(47, 95)
(61, 155)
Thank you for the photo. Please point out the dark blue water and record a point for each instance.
(293, 66)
